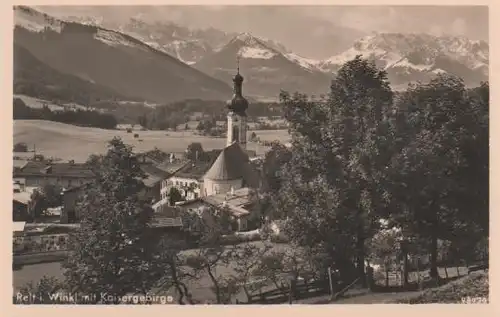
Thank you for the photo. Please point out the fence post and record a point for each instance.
(330, 282)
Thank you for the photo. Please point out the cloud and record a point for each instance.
(459, 27)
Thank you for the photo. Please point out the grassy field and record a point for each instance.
(69, 142)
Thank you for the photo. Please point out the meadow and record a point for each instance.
(68, 142)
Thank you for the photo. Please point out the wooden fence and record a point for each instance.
(289, 293)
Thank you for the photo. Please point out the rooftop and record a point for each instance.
(22, 197)
(34, 168)
(233, 163)
(194, 170)
(172, 167)
(154, 174)
(237, 203)
(241, 197)
(156, 155)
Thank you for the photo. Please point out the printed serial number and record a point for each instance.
(474, 300)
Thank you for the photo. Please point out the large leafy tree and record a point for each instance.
(341, 144)
(113, 250)
(273, 162)
(431, 172)
(37, 205)
(194, 151)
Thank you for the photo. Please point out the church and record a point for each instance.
(231, 180)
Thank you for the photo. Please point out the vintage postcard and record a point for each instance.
(250, 155)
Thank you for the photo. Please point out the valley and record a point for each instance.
(68, 142)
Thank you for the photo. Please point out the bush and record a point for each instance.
(136, 135)
(473, 286)
(241, 237)
(20, 147)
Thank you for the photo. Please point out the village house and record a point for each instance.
(188, 180)
(65, 175)
(242, 204)
(153, 181)
(21, 202)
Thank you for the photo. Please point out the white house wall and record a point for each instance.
(180, 183)
(220, 187)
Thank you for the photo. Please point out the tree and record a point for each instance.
(201, 126)
(113, 249)
(274, 161)
(253, 136)
(383, 248)
(186, 127)
(340, 144)
(429, 173)
(174, 195)
(194, 151)
(20, 147)
(169, 256)
(37, 205)
(214, 253)
(45, 292)
(52, 195)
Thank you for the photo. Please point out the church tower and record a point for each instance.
(237, 117)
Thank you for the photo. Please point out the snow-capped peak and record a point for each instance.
(251, 47)
(415, 51)
(246, 38)
(307, 63)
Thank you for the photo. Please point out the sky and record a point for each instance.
(298, 27)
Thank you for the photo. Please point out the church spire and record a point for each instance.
(238, 103)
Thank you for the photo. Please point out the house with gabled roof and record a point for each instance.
(40, 173)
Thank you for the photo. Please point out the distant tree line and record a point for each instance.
(170, 116)
(88, 118)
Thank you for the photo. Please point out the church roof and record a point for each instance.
(233, 163)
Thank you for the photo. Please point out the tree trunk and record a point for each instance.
(446, 272)
(360, 246)
(216, 285)
(186, 292)
(176, 283)
(405, 269)
(386, 276)
(458, 271)
(434, 242)
(418, 270)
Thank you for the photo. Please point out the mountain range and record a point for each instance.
(164, 62)
(111, 59)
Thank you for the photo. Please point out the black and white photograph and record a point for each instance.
(250, 154)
